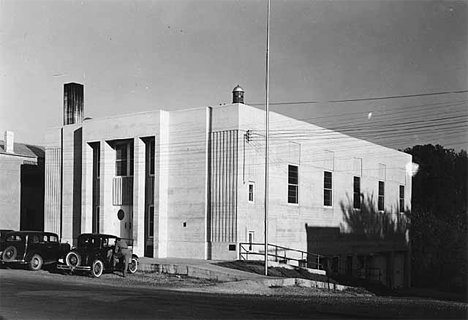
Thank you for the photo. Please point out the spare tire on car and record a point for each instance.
(73, 259)
(9, 254)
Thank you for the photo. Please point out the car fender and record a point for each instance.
(29, 255)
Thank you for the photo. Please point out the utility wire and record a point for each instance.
(365, 99)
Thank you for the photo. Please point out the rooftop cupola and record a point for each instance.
(238, 94)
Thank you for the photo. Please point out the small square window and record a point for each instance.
(251, 191)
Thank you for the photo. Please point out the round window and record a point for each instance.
(120, 214)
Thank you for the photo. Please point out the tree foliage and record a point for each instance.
(439, 217)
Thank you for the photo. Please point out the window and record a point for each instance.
(120, 214)
(251, 192)
(124, 160)
(293, 184)
(96, 159)
(121, 160)
(151, 171)
(402, 198)
(251, 239)
(150, 156)
(357, 193)
(381, 195)
(34, 239)
(95, 226)
(327, 189)
(151, 222)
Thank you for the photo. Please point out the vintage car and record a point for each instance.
(94, 254)
(33, 248)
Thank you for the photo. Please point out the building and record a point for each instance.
(22, 185)
(190, 183)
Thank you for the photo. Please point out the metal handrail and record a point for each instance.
(305, 256)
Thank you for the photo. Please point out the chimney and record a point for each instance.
(238, 94)
(9, 142)
(73, 100)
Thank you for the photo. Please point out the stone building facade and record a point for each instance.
(190, 183)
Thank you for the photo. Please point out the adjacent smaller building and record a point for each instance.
(22, 185)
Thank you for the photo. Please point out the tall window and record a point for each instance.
(95, 226)
(151, 222)
(151, 157)
(381, 201)
(124, 159)
(251, 192)
(121, 160)
(402, 198)
(327, 189)
(357, 193)
(293, 184)
(97, 159)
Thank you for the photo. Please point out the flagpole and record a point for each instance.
(267, 110)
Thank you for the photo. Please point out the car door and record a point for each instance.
(53, 248)
(35, 243)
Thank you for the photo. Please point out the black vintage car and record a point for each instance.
(94, 254)
(33, 248)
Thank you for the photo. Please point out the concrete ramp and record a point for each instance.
(207, 269)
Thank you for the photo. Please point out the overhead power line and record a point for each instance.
(364, 99)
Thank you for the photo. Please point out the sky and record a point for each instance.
(146, 55)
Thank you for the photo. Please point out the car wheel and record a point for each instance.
(35, 264)
(73, 259)
(133, 266)
(97, 268)
(9, 254)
